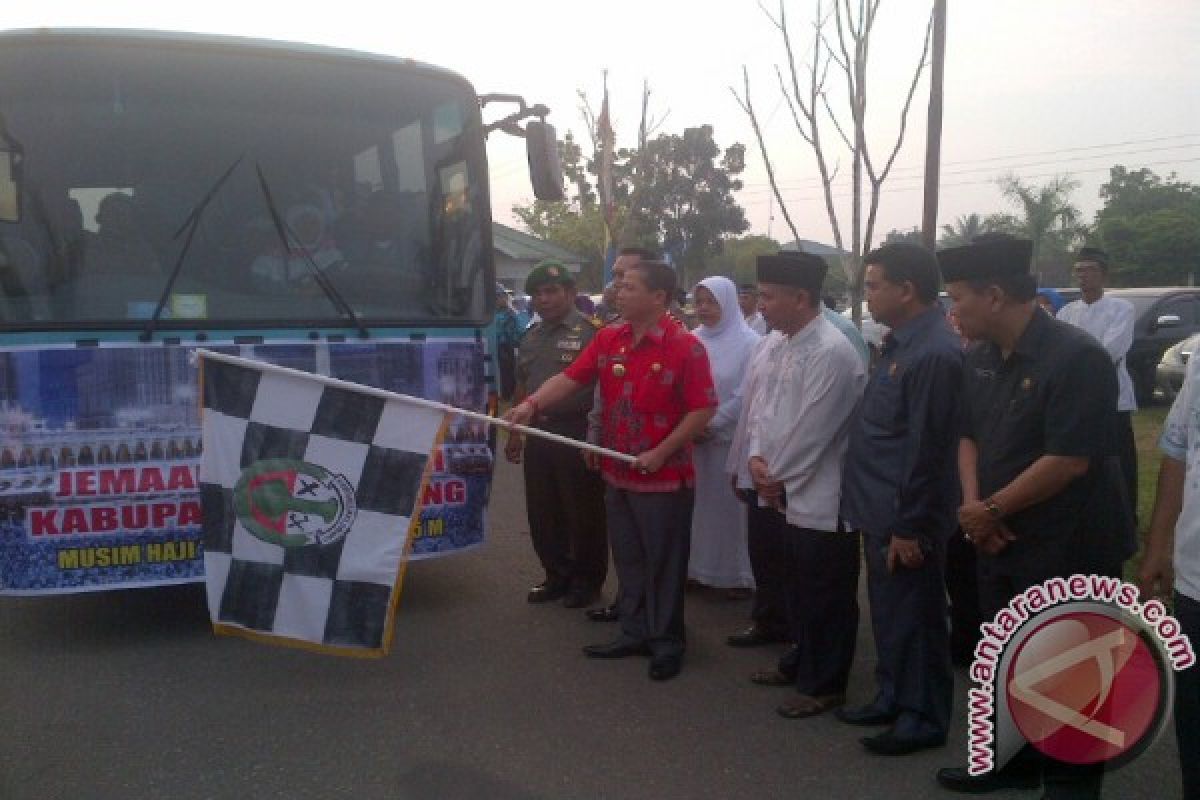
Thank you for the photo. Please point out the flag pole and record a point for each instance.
(249, 363)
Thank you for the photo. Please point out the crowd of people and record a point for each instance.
(983, 451)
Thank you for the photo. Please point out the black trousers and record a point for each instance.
(1187, 700)
(769, 610)
(565, 504)
(962, 584)
(1061, 780)
(908, 618)
(819, 570)
(651, 535)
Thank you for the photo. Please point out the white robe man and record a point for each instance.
(789, 447)
(1110, 320)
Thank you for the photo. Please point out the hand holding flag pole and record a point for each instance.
(312, 490)
(201, 352)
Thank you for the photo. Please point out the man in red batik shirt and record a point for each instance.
(657, 395)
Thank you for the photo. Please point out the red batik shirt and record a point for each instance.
(645, 390)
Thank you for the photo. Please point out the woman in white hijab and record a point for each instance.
(719, 557)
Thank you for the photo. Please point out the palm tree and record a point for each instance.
(1048, 211)
(963, 230)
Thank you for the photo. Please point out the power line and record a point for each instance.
(812, 183)
(901, 189)
(1081, 148)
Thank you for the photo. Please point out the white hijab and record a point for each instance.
(729, 342)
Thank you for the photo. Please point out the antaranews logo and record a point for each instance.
(1078, 668)
(294, 503)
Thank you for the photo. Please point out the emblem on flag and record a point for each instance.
(294, 503)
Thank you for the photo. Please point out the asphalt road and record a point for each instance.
(129, 695)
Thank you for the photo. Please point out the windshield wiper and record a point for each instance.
(191, 224)
(286, 236)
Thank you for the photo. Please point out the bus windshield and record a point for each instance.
(284, 186)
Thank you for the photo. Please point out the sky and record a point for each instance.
(1035, 88)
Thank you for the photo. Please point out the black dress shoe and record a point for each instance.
(578, 597)
(867, 715)
(617, 649)
(663, 668)
(754, 636)
(889, 744)
(957, 779)
(603, 614)
(546, 592)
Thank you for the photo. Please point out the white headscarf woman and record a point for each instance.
(729, 342)
(719, 556)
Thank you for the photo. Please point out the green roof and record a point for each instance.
(524, 247)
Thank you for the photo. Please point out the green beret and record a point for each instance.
(548, 271)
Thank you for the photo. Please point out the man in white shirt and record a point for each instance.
(1168, 564)
(1110, 320)
(805, 380)
(748, 302)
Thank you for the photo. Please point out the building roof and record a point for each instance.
(523, 247)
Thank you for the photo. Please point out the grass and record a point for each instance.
(1147, 427)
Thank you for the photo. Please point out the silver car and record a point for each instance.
(1171, 368)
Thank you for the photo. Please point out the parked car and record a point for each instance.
(1174, 364)
(1163, 317)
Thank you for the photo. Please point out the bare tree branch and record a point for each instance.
(748, 107)
(837, 125)
(848, 46)
(912, 88)
(589, 118)
(792, 107)
(877, 180)
(815, 87)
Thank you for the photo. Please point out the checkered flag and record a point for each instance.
(308, 489)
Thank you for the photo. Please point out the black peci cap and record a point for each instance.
(788, 268)
(992, 257)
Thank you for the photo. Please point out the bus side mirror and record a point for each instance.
(545, 168)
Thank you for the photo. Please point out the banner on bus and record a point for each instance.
(100, 450)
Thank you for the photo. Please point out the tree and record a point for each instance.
(739, 255)
(810, 107)
(962, 231)
(579, 229)
(687, 199)
(676, 193)
(912, 235)
(1050, 220)
(576, 170)
(1150, 228)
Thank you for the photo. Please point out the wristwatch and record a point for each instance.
(990, 506)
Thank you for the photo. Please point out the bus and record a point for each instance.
(313, 207)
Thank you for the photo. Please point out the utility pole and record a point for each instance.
(933, 129)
